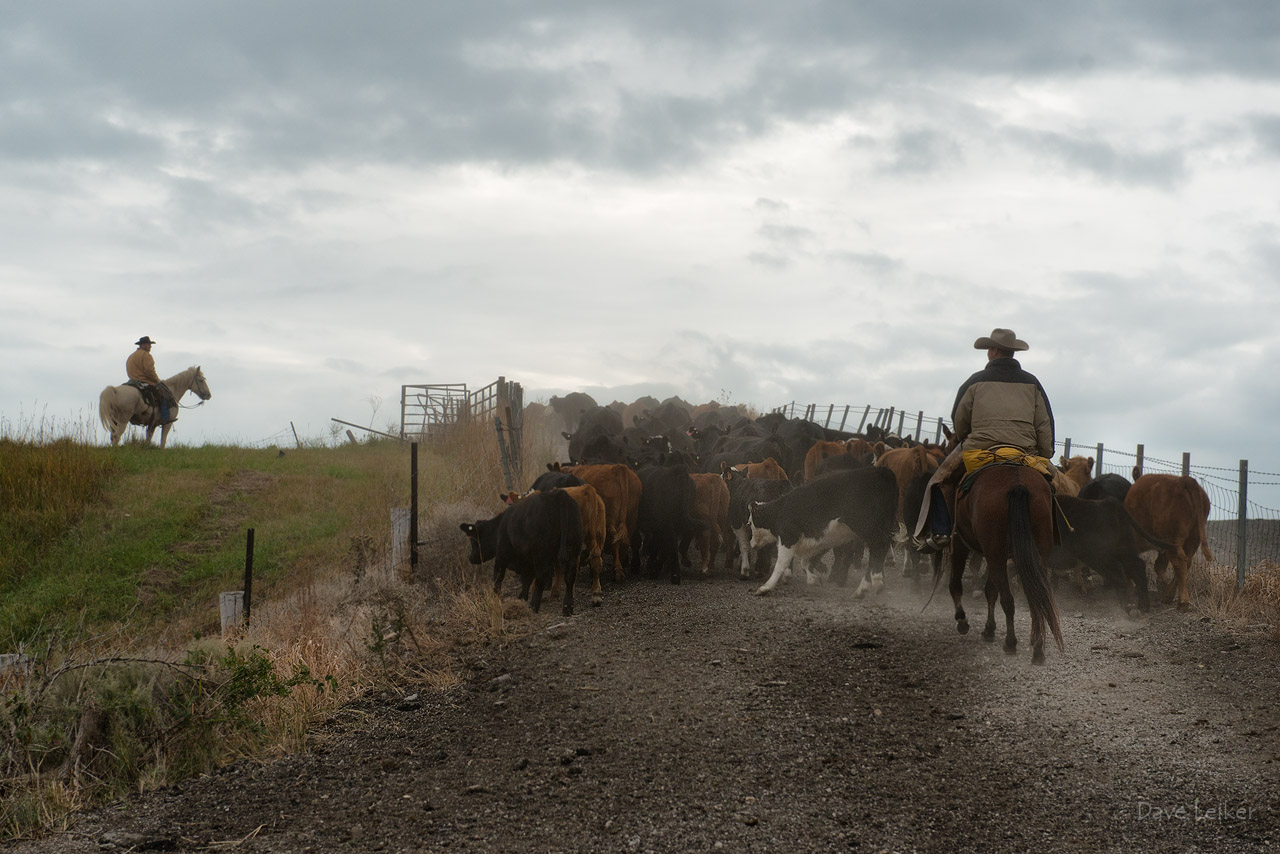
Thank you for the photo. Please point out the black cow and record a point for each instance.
(1106, 485)
(556, 480)
(743, 491)
(571, 407)
(827, 512)
(844, 462)
(598, 437)
(742, 449)
(533, 538)
(666, 508)
(1103, 536)
(671, 414)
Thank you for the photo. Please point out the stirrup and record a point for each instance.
(932, 544)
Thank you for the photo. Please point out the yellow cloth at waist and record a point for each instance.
(974, 460)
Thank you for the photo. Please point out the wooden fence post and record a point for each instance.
(506, 459)
(1186, 463)
(1141, 456)
(844, 418)
(1098, 454)
(863, 422)
(919, 423)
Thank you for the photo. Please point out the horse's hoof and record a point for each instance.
(595, 601)
(1184, 607)
(988, 636)
(963, 627)
(1012, 649)
(761, 591)
(1037, 658)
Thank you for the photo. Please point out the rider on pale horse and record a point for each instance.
(141, 368)
(1001, 412)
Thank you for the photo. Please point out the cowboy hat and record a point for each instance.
(1000, 339)
(144, 340)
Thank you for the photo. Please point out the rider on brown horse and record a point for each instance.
(141, 368)
(1001, 406)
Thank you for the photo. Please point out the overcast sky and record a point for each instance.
(747, 201)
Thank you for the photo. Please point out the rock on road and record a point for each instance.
(700, 718)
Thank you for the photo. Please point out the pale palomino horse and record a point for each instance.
(121, 405)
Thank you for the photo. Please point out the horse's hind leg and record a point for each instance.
(959, 557)
(992, 591)
(1006, 602)
(1037, 638)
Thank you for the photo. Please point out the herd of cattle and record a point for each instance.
(647, 480)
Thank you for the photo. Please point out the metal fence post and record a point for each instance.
(937, 437)
(919, 423)
(863, 422)
(1242, 537)
(248, 576)
(830, 411)
(1066, 448)
(413, 509)
(902, 415)
(845, 418)
(1186, 463)
(1098, 453)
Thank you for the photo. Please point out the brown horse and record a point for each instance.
(122, 405)
(1005, 514)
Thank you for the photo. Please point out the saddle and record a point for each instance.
(149, 392)
(998, 457)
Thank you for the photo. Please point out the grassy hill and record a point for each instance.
(111, 560)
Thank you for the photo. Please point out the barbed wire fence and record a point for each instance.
(1243, 530)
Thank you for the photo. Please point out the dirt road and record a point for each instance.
(701, 718)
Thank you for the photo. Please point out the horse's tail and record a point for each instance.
(1026, 559)
(106, 408)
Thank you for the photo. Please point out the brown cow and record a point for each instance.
(619, 487)
(821, 450)
(1072, 475)
(906, 464)
(767, 470)
(591, 506)
(1175, 509)
(711, 505)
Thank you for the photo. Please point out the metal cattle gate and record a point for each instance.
(428, 412)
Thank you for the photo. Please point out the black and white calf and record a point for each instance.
(827, 512)
(743, 492)
(531, 537)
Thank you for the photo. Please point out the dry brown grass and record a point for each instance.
(1214, 594)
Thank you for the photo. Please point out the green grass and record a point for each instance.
(94, 535)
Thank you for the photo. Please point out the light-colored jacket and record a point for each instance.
(141, 366)
(1003, 405)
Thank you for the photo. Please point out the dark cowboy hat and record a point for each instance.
(1000, 339)
(144, 340)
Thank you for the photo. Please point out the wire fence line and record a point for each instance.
(1243, 528)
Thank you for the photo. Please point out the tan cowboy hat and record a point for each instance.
(1001, 339)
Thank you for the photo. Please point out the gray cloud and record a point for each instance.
(872, 263)
(1160, 169)
(922, 152)
(319, 82)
